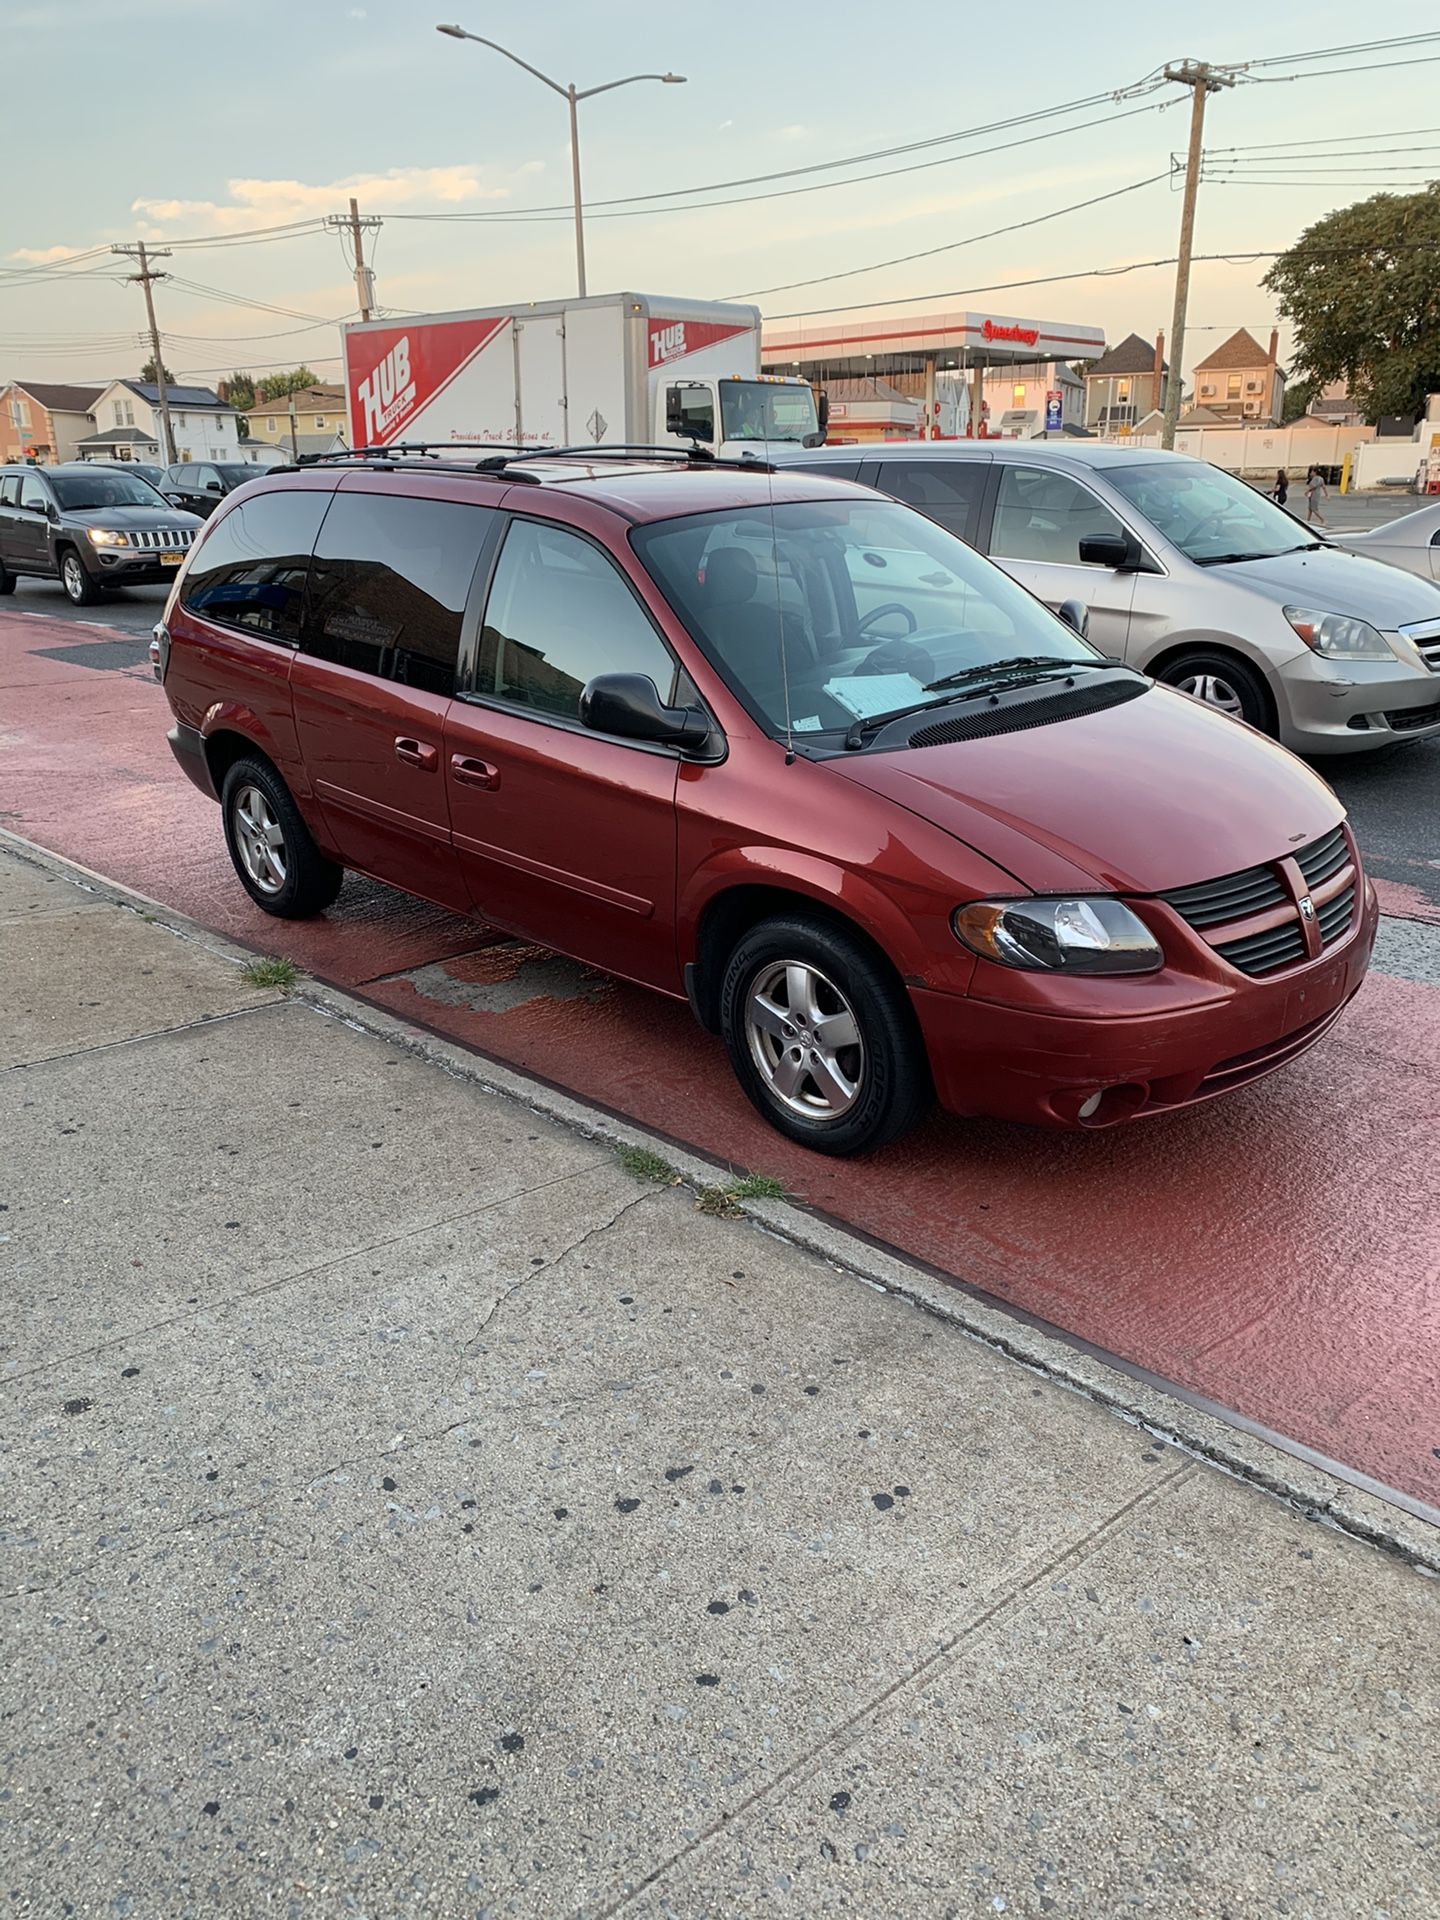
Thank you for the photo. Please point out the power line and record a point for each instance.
(904, 259)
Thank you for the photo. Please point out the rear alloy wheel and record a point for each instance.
(821, 1038)
(80, 589)
(1222, 681)
(7, 581)
(279, 865)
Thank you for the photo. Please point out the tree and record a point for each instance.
(277, 386)
(147, 374)
(239, 391)
(1362, 289)
(1298, 396)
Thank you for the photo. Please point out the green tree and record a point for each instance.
(240, 391)
(1298, 396)
(276, 386)
(1362, 290)
(147, 374)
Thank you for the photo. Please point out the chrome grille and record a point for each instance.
(165, 540)
(1236, 897)
(1426, 636)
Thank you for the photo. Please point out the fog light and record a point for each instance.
(1091, 1106)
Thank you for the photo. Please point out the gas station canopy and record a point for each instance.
(827, 348)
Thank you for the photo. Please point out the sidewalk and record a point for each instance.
(416, 1512)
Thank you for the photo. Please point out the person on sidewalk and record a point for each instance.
(1315, 492)
(1280, 492)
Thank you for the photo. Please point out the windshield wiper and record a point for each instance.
(970, 682)
(1229, 559)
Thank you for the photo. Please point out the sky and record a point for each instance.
(202, 120)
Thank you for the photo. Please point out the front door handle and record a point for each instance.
(474, 773)
(417, 753)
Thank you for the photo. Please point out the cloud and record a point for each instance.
(723, 125)
(358, 13)
(42, 256)
(251, 203)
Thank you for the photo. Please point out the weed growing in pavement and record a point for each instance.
(270, 973)
(642, 1164)
(758, 1186)
(719, 1201)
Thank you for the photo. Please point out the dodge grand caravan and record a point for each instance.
(775, 745)
(1189, 574)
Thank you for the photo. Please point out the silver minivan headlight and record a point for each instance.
(1096, 935)
(1338, 636)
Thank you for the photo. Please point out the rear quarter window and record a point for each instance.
(250, 570)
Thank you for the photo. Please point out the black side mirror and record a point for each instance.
(1076, 615)
(628, 704)
(692, 421)
(214, 486)
(1120, 551)
(176, 499)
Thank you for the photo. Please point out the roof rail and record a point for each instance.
(501, 458)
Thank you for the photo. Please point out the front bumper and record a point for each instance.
(1014, 1063)
(114, 567)
(1352, 706)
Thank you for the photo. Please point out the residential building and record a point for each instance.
(42, 421)
(1016, 400)
(127, 424)
(1241, 381)
(1336, 405)
(318, 410)
(1125, 383)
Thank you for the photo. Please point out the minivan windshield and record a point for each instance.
(80, 490)
(825, 614)
(1210, 515)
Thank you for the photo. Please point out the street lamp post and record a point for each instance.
(574, 96)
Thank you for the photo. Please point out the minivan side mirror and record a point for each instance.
(629, 705)
(1120, 551)
(1075, 614)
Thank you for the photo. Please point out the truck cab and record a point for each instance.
(734, 416)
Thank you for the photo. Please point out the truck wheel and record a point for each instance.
(279, 865)
(7, 581)
(80, 589)
(1224, 681)
(821, 1037)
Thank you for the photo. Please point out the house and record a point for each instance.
(318, 410)
(127, 424)
(1336, 405)
(1126, 382)
(42, 421)
(1240, 381)
(1017, 400)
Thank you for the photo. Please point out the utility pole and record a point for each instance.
(145, 277)
(1202, 79)
(364, 277)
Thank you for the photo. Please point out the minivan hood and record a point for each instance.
(1158, 793)
(1334, 580)
(144, 517)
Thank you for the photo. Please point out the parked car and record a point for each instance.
(1189, 574)
(1412, 542)
(91, 526)
(200, 485)
(142, 468)
(777, 746)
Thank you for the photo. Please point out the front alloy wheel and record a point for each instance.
(804, 1040)
(80, 589)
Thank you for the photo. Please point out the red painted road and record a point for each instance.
(1277, 1252)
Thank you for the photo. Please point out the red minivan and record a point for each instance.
(774, 744)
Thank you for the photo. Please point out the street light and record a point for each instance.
(574, 97)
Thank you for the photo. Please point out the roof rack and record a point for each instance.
(502, 457)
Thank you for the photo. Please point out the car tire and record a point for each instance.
(787, 982)
(1224, 681)
(278, 863)
(81, 589)
(7, 582)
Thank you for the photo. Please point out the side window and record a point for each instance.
(831, 469)
(559, 613)
(249, 570)
(32, 494)
(202, 476)
(10, 490)
(389, 585)
(1044, 515)
(949, 491)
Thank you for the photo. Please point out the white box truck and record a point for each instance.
(617, 369)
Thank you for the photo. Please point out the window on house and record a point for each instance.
(1232, 387)
(180, 420)
(1122, 389)
(1017, 395)
(270, 425)
(319, 421)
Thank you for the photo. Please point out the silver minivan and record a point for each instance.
(1189, 574)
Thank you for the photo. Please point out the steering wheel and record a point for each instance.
(881, 613)
(1216, 519)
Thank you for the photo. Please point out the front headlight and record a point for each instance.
(1337, 636)
(106, 537)
(1059, 936)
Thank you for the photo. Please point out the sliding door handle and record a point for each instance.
(417, 753)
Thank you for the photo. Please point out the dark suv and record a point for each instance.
(92, 527)
(774, 744)
(200, 485)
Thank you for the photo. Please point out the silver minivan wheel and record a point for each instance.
(1215, 691)
(805, 1040)
(261, 840)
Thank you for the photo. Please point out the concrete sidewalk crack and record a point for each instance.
(206, 1020)
(1014, 1591)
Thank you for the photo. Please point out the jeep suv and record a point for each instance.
(773, 744)
(90, 526)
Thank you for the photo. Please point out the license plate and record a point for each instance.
(171, 559)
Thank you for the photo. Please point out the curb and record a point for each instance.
(1316, 1488)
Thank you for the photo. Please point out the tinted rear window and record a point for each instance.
(250, 569)
(389, 584)
(949, 491)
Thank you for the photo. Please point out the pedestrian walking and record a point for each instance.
(1280, 492)
(1315, 492)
